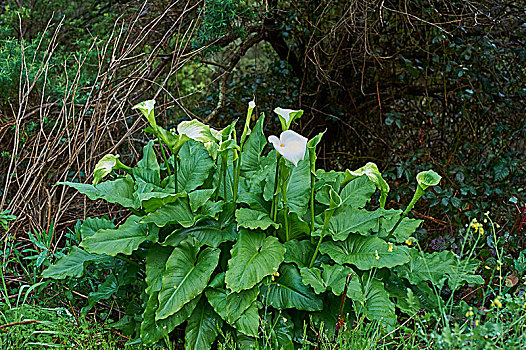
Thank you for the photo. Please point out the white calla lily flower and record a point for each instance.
(147, 109)
(290, 145)
(287, 116)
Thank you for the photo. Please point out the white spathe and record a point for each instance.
(290, 145)
(285, 113)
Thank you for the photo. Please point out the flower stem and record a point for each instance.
(312, 180)
(165, 160)
(325, 225)
(273, 209)
(286, 209)
(419, 193)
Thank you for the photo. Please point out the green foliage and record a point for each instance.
(214, 254)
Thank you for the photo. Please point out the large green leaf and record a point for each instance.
(155, 266)
(203, 327)
(298, 188)
(176, 212)
(185, 277)
(92, 225)
(148, 168)
(366, 252)
(253, 257)
(71, 265)
(254, 219)
(195, 165)
(248, 322)
(278, 332)
(231, 306)
(299, 252)
(154, 330)
(358, 192)
(199, 197)
(377, 305)
(347, 220)
(287, 291)
(404, 230)
(333, 278)
(297, 227)
(209, 232)
(124, 239)
(256, 142)
(118, 191)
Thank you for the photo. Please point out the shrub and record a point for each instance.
(220, 233)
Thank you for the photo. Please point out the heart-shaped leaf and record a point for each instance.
(288, 291)
(254, 256)
(186, 276)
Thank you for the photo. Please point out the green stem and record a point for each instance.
(219, 184)
(419, 193)
(286, 209)
(166, 161)
(237, 172)
(312, 181)
(325, 225)
(176, 168)
(274, 198)
(224, 180)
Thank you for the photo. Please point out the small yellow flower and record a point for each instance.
(276, 274)
(498, 268)
(377, 257)
(481, 230)
(390, 247)
(175, 287)
(477, 322)
(487, 267)
(285, 320)
(409, 242)
(470, 312)
(496, 302)
(497, 225)
(485, 220)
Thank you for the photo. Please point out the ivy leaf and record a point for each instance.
(203, 327)
(253, 257)
(124, 239)
(186, 276)
(118, 191)
(288, 291)
(71, 265)
(365, 252)
(254, 219)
